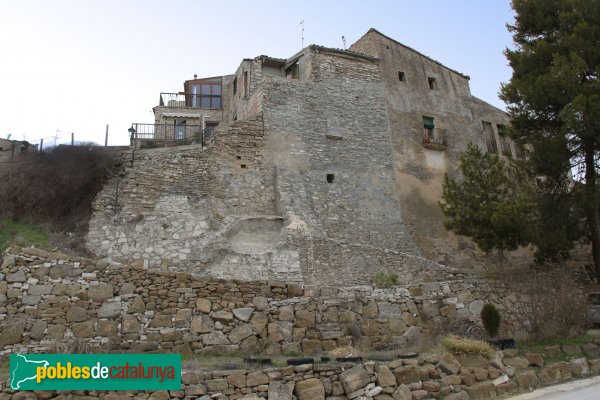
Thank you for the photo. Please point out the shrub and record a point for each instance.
(54, 189)
(385, 280)
(490, 316)
(462, 345)
(547, 303)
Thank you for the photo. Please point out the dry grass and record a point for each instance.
(462, 345)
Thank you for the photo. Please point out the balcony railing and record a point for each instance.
(435, 139)
(205, 101)
(155, 135)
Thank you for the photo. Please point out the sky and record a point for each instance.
(74, 66)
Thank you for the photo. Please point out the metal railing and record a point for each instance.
(436, 139)
(204, 101)
(155, 135)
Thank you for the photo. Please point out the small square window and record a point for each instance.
(432, 83)
(330, 178)
(401, 76)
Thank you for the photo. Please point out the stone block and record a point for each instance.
(243, 314)
(462, 395)
(259, 322)
(571, 349)
(127, 289)
(40, 290)
(240, 333)
(107, 328)
(162, 321)
(216, 385)
(137, 306)
(310, 389)
(354, 379)
(237, 380)
(527, 380)
(203, 305)
(100, 293)
(83, 329)
(18, 276)
(256, 378)
(214, 338)
(449, 364)
(37, 330)
(407, 374)
(311, 346)
(385, 377)
(402, 393)
(130, 324)
(535, 359)
(305, 319)
(579, 367)
(517, 362)
(482, 391)
(12, 333)
(110, 310)
(31, 300)
(222, 316)
(556, 373)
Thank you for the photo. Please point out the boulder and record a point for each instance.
(402, 393)
(407, 374)
(256, 378)
(127, 289)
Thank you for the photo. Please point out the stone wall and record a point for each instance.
(49, 301)
(308, 186)
(418, 170)
(412, 377)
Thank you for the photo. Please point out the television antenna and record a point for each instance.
(302, 24)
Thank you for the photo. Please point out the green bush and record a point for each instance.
(490, 316)
(385, 280)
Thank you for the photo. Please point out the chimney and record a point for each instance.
(195, 76)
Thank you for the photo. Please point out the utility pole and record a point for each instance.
(106, 137)
(72, 139)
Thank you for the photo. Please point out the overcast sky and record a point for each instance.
(75, 66)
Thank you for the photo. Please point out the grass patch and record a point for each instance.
(461, 345)
(22, 234)
(538, 346)
(385, 280)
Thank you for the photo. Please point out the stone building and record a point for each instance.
(325, 167)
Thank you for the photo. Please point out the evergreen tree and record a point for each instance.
(486, 203)
(554, 98)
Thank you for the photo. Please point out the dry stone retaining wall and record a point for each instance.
(49, 301)
(427, 376)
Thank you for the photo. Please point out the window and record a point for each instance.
(245, 83)
(180, 129)
(205, 93)
(235, 85)
(432, 83)
(401, 76)
(293, 71)
(428, 129)
(209, 130)
(488, 138)
(504, 141)
(330, 178)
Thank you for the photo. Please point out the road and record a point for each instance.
(586, 389)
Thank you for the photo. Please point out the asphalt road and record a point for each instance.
(586, 389)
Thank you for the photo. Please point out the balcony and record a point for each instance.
(164, 135)
(435, 139)
(204, 101)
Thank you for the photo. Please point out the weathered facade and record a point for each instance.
(322, 168)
